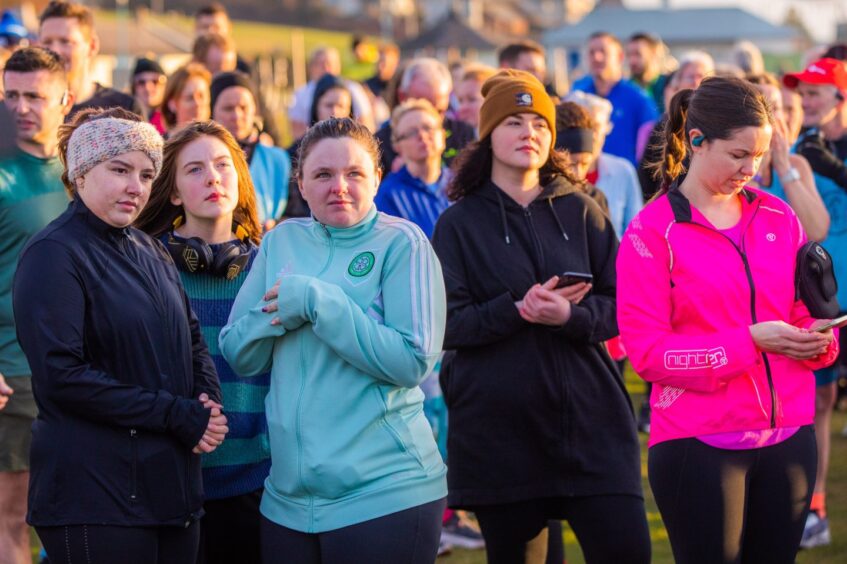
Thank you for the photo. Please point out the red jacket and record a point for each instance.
(687, 296)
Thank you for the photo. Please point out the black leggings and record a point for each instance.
(405, 537)
(105, 544)
(609, 528)
(734, 505)
(229, 532)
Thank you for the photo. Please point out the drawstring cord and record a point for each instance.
(506, 236)
(558, 221)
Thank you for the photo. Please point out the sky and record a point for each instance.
(818, 15)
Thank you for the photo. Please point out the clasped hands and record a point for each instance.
(216, 429)
(547, 305)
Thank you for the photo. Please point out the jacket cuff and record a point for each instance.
(505, 313)
(292, 301)
(188, 421)
(579, 324)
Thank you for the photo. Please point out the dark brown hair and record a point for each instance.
(472, 169)
(212, 9)
(79, 118)
(204, 43)
(606, 35)
(336, 128)
(763, 79)
(510, 53)
(719, 107)
(72, 10)
(176, 82)
(571, 115)
(32, 59)
(159, 214)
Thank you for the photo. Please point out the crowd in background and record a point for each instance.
(507, 183)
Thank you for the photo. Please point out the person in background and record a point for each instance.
(632, 107)
(331, 99)
(529, 56)
(216, 52)
(644, 57)
(203, 208)
(614, 176)
(468, 91)
(213, 18)
(127, 394)
(428, 79)
(346, 308)
(148, 86)
(523, 451)
(13, 36)
(386, 65)
(31, 196)
(822, 86)
(709, 265)
(747, 57)
(67, 28)
(186, 96)
(326, 60)
(787, 175)
(792, 108)
(234, 105)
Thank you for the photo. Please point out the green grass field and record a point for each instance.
(836, 507)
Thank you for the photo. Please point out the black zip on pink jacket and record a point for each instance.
(687, 296)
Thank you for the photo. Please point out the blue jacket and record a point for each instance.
(403, 195)
(631, 108)
(362, 313)
(118, 361)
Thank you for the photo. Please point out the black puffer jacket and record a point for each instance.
(117, 363)
(535, 411)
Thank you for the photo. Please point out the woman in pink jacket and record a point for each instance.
(707, 312)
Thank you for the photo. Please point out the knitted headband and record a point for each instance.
(102, 139)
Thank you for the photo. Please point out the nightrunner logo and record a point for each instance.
(696, 359)
(361, 264)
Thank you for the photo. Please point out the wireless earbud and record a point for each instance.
(698, 140)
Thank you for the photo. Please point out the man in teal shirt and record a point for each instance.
(31, 196)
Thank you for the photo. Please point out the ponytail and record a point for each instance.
(675, 148)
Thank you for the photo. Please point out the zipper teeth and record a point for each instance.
(753, 315)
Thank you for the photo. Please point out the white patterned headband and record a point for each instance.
(102, 139)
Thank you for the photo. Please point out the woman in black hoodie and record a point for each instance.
(541, 426)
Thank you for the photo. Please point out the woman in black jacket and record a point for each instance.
(126, 391)
(541, 426)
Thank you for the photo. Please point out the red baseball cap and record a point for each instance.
(822, 71)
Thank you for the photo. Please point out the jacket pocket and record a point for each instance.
(133, 480)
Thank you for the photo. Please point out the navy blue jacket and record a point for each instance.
(118, 362)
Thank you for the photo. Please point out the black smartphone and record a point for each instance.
(571, 278)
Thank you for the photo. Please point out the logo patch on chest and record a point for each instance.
(361, 265)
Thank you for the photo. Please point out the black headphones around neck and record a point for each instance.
(193, 254)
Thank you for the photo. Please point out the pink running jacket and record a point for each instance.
(687, 296)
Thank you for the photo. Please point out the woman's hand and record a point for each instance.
(272, 297)
(216, 428)
(781, 338)
(780, 148)
(544, 305)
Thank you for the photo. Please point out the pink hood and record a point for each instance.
(684, 312)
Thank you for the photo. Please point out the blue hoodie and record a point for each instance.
(362, 313)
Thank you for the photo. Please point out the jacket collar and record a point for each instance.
(683, 212)
(95, 223)
(346, 233)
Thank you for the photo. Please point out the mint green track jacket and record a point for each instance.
(363, 313)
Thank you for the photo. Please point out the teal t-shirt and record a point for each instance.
(31, 196)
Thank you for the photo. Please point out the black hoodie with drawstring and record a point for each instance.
(535, 411)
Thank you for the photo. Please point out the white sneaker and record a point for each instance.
(816, 532)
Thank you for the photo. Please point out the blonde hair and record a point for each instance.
(412, 105)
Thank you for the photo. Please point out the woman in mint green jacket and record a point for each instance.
(347, 310)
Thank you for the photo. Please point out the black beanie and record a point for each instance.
(146, 65)
(227, 80)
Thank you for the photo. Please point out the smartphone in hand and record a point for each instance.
(571, 278)
(837, 322)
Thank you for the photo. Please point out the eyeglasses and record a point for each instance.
(412, 133)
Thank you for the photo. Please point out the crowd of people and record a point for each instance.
(407, 330)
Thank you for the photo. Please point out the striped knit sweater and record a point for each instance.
(241, 464)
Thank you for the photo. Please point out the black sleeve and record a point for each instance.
(594, 319)
(470, 324)
(50, 304)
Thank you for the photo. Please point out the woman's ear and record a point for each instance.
(696, 137)
(175, 199)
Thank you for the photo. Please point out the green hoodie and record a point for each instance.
(362, 313)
